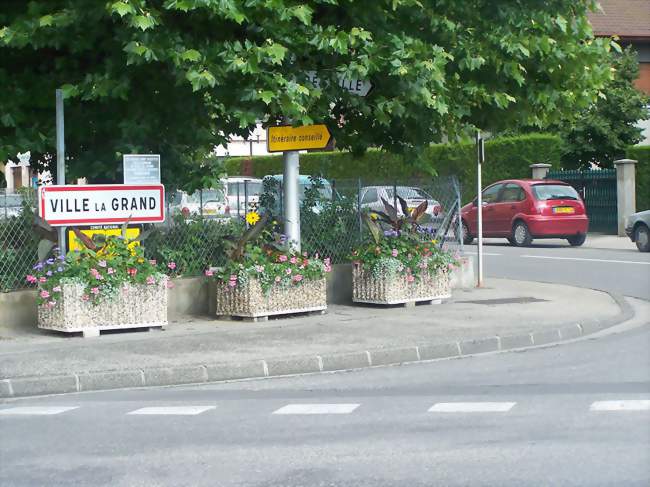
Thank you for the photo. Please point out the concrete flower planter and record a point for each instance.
(134, 306)
(249, 301)
(431, 286)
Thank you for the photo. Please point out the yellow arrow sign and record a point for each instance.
(286, 137)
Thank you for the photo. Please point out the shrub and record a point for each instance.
(641, 153)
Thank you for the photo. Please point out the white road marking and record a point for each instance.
(317, 409)
(586, 260)
(625, 405)
(489, 253)
(36, 410)
(471, 407)
(173, 410)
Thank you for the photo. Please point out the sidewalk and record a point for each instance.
(504, 315)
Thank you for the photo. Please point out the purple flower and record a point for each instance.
(48, 273)
(59, 269)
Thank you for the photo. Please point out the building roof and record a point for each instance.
(628, 19)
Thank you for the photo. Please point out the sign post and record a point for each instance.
(141, 168)
(101, 204)
(60, 158)
(480, 158)
(289, 140)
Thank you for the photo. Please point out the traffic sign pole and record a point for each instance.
(60, 158)
(291, 206)
(480, 156)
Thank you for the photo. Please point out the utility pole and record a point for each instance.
(480, 158)
(291, 204)
(60, 158)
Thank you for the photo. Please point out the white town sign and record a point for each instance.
(355, 86)
(102, 204)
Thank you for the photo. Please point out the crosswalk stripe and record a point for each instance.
(471, 407)
(173, 410)
(621, 405)
(317, 409)
(36, 410)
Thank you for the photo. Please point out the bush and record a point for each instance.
(641, 153)
(506, 157)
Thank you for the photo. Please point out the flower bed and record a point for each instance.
(398, 265)
(104, 286)
(264, 277)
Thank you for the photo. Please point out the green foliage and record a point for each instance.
(601, 133)
(175, 77)
(191, 245)
(641, 153)
(506, 157)
(102, 272)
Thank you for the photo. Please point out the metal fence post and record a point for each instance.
(238, 204)
(395, 196)
(460, 221)
(201, 203)
(246, 200)
(359, 210)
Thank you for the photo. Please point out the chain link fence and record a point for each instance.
(192, 238)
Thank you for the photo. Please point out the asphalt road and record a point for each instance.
(626, 272)
(575, 414)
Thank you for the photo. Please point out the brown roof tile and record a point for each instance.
(624, 18)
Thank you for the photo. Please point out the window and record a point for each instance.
(253, 188)
(370, 196)
(409, 193)
(545, 192)
(490, 195)
(512, 193)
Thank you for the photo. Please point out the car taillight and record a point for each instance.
(540, 207)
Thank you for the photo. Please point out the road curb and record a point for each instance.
(279, 367)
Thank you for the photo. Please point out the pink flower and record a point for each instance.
(278, 278)
(316, 255)
(172, 265)
(328, 268)
(327, 261)
(233, 277)
(170, 285)
(410, 278)
(101, 263)
(110, 271)
(85, 297)
(450, 266)
(282, 258)
(31, 279)
(232, 283)
(153, 262)
(423, 264)
(56, 289)
(259, 268)
(293, 260)
(94, 290)
(99, 277)
(302, 266)
(94, 271)
(51, 304)
(42, 279)
(394, 253)
(209, 273)
(305, 254)
(44, 294)
(297, 277)
(151, 280)
(288, 271)
(132, 271)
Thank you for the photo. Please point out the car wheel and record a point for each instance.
(467, 238)
(521, 236)
(642, 238)
(577, 240)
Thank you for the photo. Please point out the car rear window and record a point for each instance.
(545, 192)
(253, 188)
(408, 193)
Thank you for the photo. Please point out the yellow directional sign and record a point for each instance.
(286, 138)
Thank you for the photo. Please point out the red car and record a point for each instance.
(523, 209)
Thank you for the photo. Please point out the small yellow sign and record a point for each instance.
(75, 244)
(285, 138)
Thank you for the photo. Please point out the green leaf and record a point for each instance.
(45, 20)
(122, 8)
(191, 55)
(302, 13)
(143, 22)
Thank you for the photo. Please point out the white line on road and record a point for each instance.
(471, 407)
(36, 410)
(489, 253)
(317, 409)
(586, 260)
(173, 410)
(629, 405)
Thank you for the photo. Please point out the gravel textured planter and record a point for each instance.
(397, 290)
(135, 306)
(249, 301)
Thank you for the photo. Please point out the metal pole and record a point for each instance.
(238, 202)
(460, 221)
(479, 159)
(60, 158)
(291, 206)
(246, 199)
(359, 209)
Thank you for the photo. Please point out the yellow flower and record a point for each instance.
(434, 241)
(374, 216)
(252, 218)
(140, 260)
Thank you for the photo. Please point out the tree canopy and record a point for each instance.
(175, 77)
(602, 132)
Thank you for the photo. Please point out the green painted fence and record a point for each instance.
(598, 190)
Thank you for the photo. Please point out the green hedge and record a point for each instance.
(506, 157)
(641, 153)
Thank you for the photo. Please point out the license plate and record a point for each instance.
(210, 211)
(564, 209)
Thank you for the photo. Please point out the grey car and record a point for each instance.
(637, 227)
